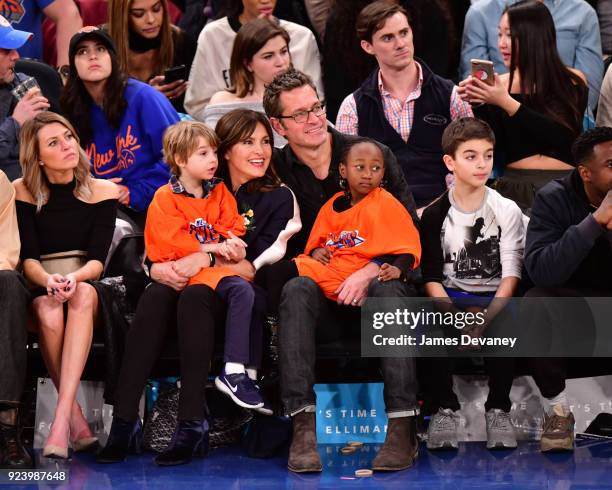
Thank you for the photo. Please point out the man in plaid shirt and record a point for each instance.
(403, 104)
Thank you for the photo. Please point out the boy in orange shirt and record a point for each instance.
(193, 221)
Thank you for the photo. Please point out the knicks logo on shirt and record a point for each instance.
(344, 239)
(203, 231)
(111, 161)
(12, 10)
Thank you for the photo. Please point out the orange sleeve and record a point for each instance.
(167, 229)
(396, 228)
(229, 218)
(320, 229)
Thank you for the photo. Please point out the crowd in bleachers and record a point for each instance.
(470, 162)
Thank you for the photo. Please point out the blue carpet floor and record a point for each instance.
(472, 467)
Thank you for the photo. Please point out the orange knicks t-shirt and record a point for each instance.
(377, 225)
(178, 224)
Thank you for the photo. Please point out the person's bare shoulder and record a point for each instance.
(22, 193)
(222, 96)
(102, 190)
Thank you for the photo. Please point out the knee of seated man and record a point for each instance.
(299, 288)
(392, 288)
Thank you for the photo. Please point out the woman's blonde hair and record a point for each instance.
(251, 37)
(119, 27)
(34, 178)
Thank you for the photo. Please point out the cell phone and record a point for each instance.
(175, 73)
(483, 70)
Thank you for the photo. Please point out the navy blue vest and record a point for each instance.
(421, 157)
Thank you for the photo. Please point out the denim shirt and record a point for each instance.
(578, 38)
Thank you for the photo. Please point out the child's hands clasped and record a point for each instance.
(389, 272)
(322, 255)
(233, 249)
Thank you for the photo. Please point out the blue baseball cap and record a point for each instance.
(12, 38)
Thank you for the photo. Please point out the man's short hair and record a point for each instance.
(372, 18)
(582, 149)
(284, 82)
(465, 129)
(181, 141)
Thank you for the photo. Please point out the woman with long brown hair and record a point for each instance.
(536, 110)
(66, 222)
(148, 44)
(260, 52)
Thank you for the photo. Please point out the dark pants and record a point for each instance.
(439, 375)
(307, 317)
(13, 336)
(549, 373)
(244, 321)
(189, 314)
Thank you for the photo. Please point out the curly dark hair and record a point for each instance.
(582, 149)
(289, 80)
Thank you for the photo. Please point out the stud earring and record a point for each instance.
(41, 163)
(342, 183)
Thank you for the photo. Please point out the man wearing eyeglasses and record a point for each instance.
(402, 104)
(309, 165)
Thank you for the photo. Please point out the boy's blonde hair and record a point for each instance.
(181, 140)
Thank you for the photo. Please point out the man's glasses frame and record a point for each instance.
(300, 117)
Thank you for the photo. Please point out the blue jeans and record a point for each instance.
(307, 317)
(13, 335)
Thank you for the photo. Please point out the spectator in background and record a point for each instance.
(13, 337)
(260, 52)
(148, 44)
(568, 253)
(121, 121)
(318, 12)
(28, 15)
(604, 12)
(577, 38)
(537, 109)
(402, 104)
(434, 41)
(13, 113)
(604, 108)
(210, 70)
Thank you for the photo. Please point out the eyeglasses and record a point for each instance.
(300, 117)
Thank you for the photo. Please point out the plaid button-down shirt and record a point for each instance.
(207, 186)
(399, 113)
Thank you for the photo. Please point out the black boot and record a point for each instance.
(125, 438)
(190, 439)
(12, 453)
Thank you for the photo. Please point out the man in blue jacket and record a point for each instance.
(569, 254)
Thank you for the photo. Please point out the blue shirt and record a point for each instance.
(27, 15)
(134, 150)
(578, 38)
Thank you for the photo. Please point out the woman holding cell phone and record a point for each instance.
(150, 48)
(536, 110)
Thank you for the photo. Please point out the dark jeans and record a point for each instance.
(246, 307)
(549, 373)
(13, 335)
(189, 314)
(439, 375)
(307, 317)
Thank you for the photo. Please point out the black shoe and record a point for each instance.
(12, 453)
(125, 438)
(190, 439)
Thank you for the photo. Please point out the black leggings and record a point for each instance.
(162, 312)
(273, 278)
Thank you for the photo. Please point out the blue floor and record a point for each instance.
(472, 467)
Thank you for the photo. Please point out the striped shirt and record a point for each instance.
(399, 113)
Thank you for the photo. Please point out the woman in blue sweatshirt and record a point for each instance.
(120, 120)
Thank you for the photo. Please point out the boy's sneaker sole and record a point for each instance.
(221, 386)
(442, 446)
(500, 445)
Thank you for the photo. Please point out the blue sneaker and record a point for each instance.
(240, 388)
(266, 408)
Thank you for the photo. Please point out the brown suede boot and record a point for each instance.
(303, 454)
(401, 446)
(12, 453)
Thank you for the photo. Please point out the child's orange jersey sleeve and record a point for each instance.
(167, 229)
